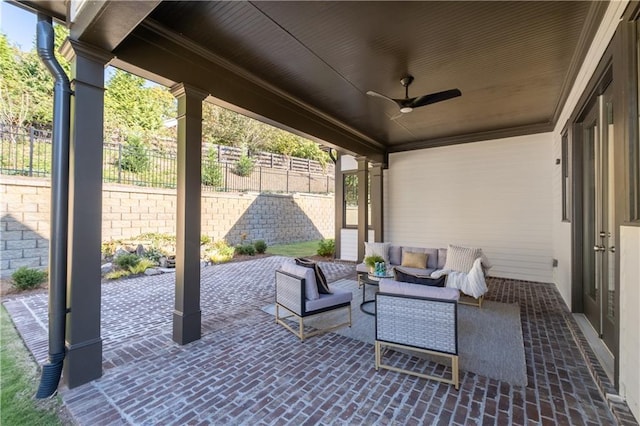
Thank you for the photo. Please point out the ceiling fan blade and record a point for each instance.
(432, 98)
(379, 95)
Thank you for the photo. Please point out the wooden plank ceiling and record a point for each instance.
(514, 62)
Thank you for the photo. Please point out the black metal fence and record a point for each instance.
(27, 152)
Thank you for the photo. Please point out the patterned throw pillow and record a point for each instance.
(321, 279)
(377, 249)
(461, 258)
(413, 279)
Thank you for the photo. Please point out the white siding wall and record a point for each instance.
(492, 194)
(349, 243)
(630, 317)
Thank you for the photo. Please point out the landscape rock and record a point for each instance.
(153, 271)
(106, 268)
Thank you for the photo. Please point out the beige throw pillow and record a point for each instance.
(414, 260)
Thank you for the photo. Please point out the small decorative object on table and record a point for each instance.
(372, 262)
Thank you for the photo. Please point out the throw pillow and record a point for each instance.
(414, 260)
(414, 279)
(377, 249)
(310, 285)
(461, 258)
(321, 279)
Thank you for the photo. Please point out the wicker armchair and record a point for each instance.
(421, 324)
(291, 295)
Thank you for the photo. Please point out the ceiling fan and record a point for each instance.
(408, 104)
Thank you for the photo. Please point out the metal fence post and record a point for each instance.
(31, 137)
(226, 176)
(119, 163)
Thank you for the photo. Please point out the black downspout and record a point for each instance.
(52, 371)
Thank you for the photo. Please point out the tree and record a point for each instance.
(26, 86)
(134, 155)
(131, 106)
(226, 127)
(211, 171)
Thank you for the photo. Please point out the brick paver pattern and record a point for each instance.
(248, 370)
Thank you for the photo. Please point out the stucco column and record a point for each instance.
(377, 199)
(187, 314)
(363, 207)
(83, 361)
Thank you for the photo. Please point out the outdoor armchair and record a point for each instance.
(291, 295)
(418, 318)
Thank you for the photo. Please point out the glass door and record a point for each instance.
(599, 220)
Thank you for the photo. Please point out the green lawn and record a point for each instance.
(307, 248)
(19, 379)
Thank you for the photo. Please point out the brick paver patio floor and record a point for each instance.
(248, 370)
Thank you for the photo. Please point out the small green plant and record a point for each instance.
(244, 166)
(153, 254)
(371, 261)
(211, 170)
(134, 155)
(26, 278)
(108, 248)
(142, 265)
(260, 246)
(205, 239)
(326, 247)
(126, 261)
(247, 249)
(219, 252)
(117, 274)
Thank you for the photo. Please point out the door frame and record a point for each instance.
(618, 66)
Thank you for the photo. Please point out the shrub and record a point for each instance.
(109, 248)
(114, 275)
(205, 239)
(25, 278)
(141, 266)
(247, 249)
(153, 254)
(326, 247)
(134, 155)
(260, 246)
(126, 261)
(244, 166)
(211, 170)
(219, 252)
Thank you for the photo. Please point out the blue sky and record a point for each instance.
(18, 25)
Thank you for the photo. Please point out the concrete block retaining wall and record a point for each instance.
(128, 211)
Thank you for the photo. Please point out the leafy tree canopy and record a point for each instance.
(132, 107)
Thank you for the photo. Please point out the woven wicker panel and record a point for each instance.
(289, 292)
(426, 324)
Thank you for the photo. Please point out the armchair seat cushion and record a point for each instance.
(338, 297)
(407, 289)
